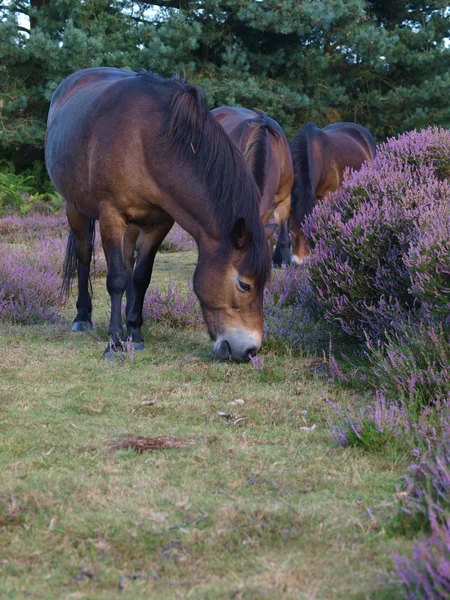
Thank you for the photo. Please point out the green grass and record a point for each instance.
(260, 509)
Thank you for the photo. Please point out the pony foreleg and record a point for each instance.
(282, 253)
(129, 250)
(113, 229)
(147, 246)
(300, 250)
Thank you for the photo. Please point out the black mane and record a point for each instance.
(255, 152)
(198, 138)
(302, 198)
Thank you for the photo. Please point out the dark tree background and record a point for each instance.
(380, 63)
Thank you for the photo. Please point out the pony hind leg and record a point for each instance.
(78, 259)
(282, 252)
(147, 246)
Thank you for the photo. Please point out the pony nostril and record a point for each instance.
(251, 353)
(223, 351)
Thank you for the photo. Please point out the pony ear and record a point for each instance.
(240, 234)
(270, 229)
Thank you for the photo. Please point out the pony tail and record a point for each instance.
(303, 199)
(70, 266)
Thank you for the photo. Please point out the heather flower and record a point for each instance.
(178, 240)
(375, 424)
(427, 574)
(427, 485)
(380, 243)
(414, 363)
(290, 312)
(429, 265)
(174, 308)
(21, 229)
(30, 281)
(257, 362)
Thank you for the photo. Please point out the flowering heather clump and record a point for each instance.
(428, 480)
(414, 363)
(30, 290)
(178, 240)
(427, 574)
(289, 311)
(289, 286)
(373, 253)
(375, 425)
(257, 362)
(173, 309)
(15, 229)
(429, 265)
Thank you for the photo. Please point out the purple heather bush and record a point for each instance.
(426, 487)
(377, 424)
(428, 262)
(30, 281)
(178, 240)
(290, 312)
(16, 229)
(175, 309)
(427, 574)
(414, 363)
(375, 246)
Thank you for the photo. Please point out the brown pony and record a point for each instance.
(266, 150)
(138, 152)
(320, 157)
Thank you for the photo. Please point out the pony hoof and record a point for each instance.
(82, 326)
(138, 346)
(109, 355)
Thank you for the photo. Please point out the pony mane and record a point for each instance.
(255, 152)
(196, 136)
(303, 199)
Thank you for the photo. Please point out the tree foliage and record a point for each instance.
(380, 63)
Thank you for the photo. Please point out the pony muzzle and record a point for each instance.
(237, 345)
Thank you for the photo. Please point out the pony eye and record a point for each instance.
(243, 287)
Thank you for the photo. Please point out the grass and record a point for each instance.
(260, 509)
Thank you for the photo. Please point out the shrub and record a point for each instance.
(428, 480)
(13, 191)
(178, 240)
(428, 262)
(414, 363)
(376, 424)
(427, 574)
(30, 290)
(17, 194)
(19, 229)
(290, 313)
(371, 240)
(174, 309)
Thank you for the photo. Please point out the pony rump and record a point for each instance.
(197, 137)
(303, 199)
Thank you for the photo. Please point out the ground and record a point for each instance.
(259, 504)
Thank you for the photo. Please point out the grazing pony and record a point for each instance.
(266, 150)
(320, 157)
(137, 152)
